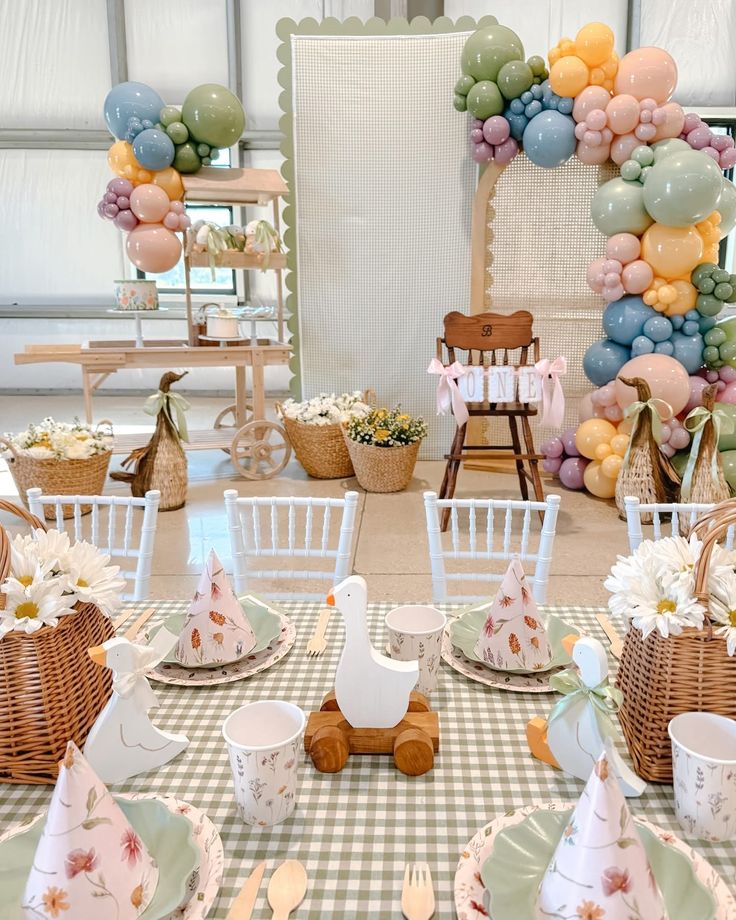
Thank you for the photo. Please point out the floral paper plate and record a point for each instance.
(536, 682)
(253, 663)
(471, 898)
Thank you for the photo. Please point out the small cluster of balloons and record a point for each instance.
(155, 143)
(605, 445)
(699, 136)
(562, 458)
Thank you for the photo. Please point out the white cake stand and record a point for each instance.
(137, 315)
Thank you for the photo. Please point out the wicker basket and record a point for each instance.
(660, 678)
(320, 449)
(51, 691)
(382, 469)
(58, 477)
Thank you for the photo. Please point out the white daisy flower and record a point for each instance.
(665, 603)
(723, 609)
(52, 547)
(88, 575)
(29, 608)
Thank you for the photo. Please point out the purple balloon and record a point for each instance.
(126, 220)
(568, 442)
(476, 136)
(123, 203)
(496, 129)
(120, 186)
(507, 151)
(571, 472)
(553, 448)
(552, 464)
(110, 197)
(482, 152)
(101, 208)
(111, 210)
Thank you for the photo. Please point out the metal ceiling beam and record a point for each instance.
(117, 41)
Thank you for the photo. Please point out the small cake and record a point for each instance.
(136, 295)
(89, 861)
(216, 630)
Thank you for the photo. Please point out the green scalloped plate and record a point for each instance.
(167, 836)
(465, 629)
(521, 853)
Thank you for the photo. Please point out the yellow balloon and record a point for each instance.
(603, 451)
(619, 443)
(672, 251)
(170, 181)
(569, 76)
(596, 483)
(594, 43)
(685, 300)
(122, 161)
(625, 426)
(611, 466)
(591, 434)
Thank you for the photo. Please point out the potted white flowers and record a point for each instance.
(314, 430)
(59, 458)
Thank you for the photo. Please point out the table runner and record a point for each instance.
(355, 830)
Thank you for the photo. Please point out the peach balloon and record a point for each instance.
(667, 378)
(619, 443)
(685, 300)
(624, 247)
(673, 123)
(611, 466)
(569, 76)
(586, 409)
(122, 161)
(623, 114)
(592, 433)
(592, 97)
(593, 156)
(647, 73)
(637, 276)
(594, 43)
(672, 251)
(169, 180)
(596, 483)
(149, 203)
(603, 451)
(153, 248)
(623, 146)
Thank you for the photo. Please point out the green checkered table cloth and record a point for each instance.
(354, 831)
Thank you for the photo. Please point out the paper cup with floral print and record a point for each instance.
(704, 774)
(264, 743)
(415, 634)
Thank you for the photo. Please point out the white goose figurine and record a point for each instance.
(123, 741)
(372, 690)
(574, 737)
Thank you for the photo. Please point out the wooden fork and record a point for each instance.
(317, 644)
(417, 897)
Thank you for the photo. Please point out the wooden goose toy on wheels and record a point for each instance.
(373, 709)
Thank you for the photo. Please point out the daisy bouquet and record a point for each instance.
(326, 409)
(654, 588)
(51, 440)
(49, 575)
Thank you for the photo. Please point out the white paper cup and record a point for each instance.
(704, 774)
(264, 743)
(415, 634)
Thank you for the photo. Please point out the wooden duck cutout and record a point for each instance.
(572, 740)
(123, 741)
(372, 690)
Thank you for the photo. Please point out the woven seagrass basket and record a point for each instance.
(661, 678)
(51, 691)
(383, 469)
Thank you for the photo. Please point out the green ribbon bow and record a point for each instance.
(659, 409)
(695, 422)
(605, 699)
(166, 402)
(268, 239)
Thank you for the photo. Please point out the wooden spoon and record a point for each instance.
(286, 888)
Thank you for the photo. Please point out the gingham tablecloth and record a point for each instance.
(354, 831)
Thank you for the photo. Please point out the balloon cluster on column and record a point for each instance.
(664, 216)
(155, 143)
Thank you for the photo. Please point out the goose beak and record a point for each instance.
(98, 655)
(330, 600)
(568, 643)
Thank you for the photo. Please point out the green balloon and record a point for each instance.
(618, 207)
(723, 291)
(630, 170)
(514, 79)
(712, 356)
(488, 49)
(728, 351)
(460, 102)
(720, 275)
(484, 100)
(679, 461)
(203, 150)
(727, 441)
(683, 189)
(169, 114)
(714, 337)
(464, 85)
(726, 207)
(177, 131)
(537, 66)
(666, 148)
(729, 327)
(213, 115)
(728, 460)
(643, 155)
(701, 273)
(708, 305)
(186, 158)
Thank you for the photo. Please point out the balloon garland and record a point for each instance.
(155, 143)
(663, 215)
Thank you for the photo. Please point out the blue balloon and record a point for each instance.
(603, 360)
(688, 350)
(549, 139)
(517, 121)
(658, 328)
(154, 149)
(677, 321)
(704, 323)
(623, 320)
(129, 100)
(664, 348)
(641, 346)
(690, 327)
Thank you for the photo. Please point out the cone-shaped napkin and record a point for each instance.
(600, 868)
(89, 861)
(216, 630)
(514, 636)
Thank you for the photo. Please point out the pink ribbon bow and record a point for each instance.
(553, 399)
(448, 393)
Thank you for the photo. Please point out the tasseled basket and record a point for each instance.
(707, 483)
(647, 474)
(162, 463)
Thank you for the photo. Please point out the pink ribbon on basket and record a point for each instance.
(448, 393)
(553, 399)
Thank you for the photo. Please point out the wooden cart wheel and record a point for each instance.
(329, 749)
(226, 419)
(413, 752)
(260, 450)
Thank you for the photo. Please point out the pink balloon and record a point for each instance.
(667, 379)
(711, 376)
(668, 450)
(595, 270)
(721, 142)
(613, 292)
(692, 120)
(624, 247)
(592, 97)
(712, 153)
(496, 129)
(666, 432)
(126, 221)
(728, 158)
(727, 373)
(149, 203)
(613, 413)
(645, 132)
(153, 248)
(680, 438)
(177, 207)
(185, 221)
(476, 135)
(607, 395)
(720, 386)
(622, 147)
(505, 152)
(593, 156)
(596, 120)
(592, 138)
(482, 152)
(622, 113)
(637, 276)
(586, 409)
(647, 73)
(171, 221)
(728, 395)
(672, 122)
(571, 472)
(700, 137)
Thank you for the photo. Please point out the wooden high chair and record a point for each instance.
(492, 339)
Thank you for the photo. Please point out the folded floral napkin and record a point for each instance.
(89, 861)
(216, 630)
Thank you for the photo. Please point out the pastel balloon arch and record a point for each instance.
(664, 216)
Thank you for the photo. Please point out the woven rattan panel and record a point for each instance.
(384, 191)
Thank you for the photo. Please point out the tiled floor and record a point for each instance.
(391, 547)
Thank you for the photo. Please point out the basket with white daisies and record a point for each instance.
(326, 409)
(52, 440)
(49, 576)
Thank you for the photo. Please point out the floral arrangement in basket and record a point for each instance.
(49, 575)
(326, 409)
(386, 428)
(61, 440)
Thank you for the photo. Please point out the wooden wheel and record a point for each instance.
(260, 450)
(413, 752)
(226, 419)
(330, 749)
